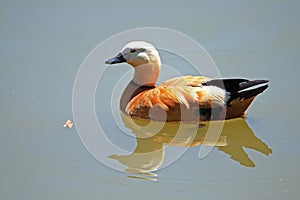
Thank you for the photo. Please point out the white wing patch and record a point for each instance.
(219, 96)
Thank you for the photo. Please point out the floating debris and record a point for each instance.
(68, 124)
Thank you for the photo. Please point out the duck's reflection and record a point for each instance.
(151, 138)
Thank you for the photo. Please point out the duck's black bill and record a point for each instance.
(117, 59)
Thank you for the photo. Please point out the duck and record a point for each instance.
(183, 98)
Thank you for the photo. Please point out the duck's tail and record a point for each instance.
(240, 88)
(248, 92)
(241, 91)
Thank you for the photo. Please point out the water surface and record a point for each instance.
(42, 47)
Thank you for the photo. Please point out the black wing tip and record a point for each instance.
(254, 92)
(249, 83)
(234, 85)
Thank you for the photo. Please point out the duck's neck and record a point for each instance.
(146, 74)
(144, 78)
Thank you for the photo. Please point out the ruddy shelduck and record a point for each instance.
(186, 98)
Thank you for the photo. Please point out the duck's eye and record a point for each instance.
(132, 50)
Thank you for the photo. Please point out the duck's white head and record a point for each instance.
(144, 58)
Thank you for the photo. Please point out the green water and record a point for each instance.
(43, 44)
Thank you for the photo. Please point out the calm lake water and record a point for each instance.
(42, 47)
